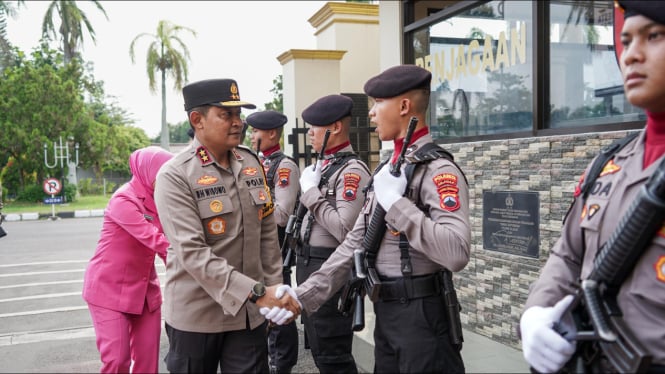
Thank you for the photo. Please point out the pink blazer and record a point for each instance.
(121, 274)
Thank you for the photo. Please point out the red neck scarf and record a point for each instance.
(271, 150)
(399, 143)
(333, 150)
(654, 146)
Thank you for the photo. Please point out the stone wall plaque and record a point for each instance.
(511, 222)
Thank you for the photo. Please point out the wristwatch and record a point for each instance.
(258, 290)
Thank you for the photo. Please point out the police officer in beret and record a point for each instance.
(224, 263)
(332, 193)
(592, 219)
(428, 228)
(282, 176)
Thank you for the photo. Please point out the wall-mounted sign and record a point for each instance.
(511, 222)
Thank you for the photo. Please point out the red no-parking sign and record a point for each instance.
(52, 186)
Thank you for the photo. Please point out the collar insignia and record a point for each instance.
(202, 154)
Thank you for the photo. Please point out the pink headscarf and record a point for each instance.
(144, 164)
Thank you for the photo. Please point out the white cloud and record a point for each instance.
(235, 39)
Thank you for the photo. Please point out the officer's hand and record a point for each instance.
(309, 177)
(269, 300)
(285, 288)
(543, 348)
(388, 188)
(277, 315)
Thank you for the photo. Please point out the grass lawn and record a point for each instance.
(83, 203)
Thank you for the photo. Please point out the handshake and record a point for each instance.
(283, 307)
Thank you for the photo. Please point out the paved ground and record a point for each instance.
(45, 326)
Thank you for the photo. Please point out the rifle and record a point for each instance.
(258, 147)
(294, 224)
(352, 297)
(600, 326)
(377, 229)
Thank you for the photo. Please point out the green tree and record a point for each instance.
(277, 103)
(7, 9)
(40, 100)
(71, 27)
(167, 54)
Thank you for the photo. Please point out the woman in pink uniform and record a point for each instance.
(120, 284)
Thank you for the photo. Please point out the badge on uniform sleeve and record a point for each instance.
(446, 187)
(351, 183)
(284, 175)
(660, 268)
(216, 226)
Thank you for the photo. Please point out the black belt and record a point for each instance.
(308, 251)
(404, 289)
(655, 368)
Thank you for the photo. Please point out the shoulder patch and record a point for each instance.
(446, 187)
(351, 183)
(284, 174)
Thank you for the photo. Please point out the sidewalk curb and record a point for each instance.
(32, 216)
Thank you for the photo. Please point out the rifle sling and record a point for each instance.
(427, 153)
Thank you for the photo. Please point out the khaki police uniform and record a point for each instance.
(283, 176)
(642, 295)
(284, 187)
(332, 210)
(223, 239)
(439, 238)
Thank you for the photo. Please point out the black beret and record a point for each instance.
(266, 120)
(397, 80)
(217, 92)
(654, 10)
(327, 110)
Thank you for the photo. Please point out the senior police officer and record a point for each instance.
(224, 261)
(282, 176)
(332, 194)
(593, 217)
(428, 228)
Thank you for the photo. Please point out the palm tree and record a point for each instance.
(6, 10)
(164, 56)
(70, 29)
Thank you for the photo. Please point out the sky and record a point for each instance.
(235, 39)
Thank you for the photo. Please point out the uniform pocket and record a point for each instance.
(214, 213)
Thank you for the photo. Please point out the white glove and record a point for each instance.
(276, 314)
(310, 178)
(388, 188)
(543, 348)
(284, 288)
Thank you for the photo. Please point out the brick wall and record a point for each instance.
(494, 285)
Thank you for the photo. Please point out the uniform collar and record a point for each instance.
(399, 143)
(331, 151)
(274, 149)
